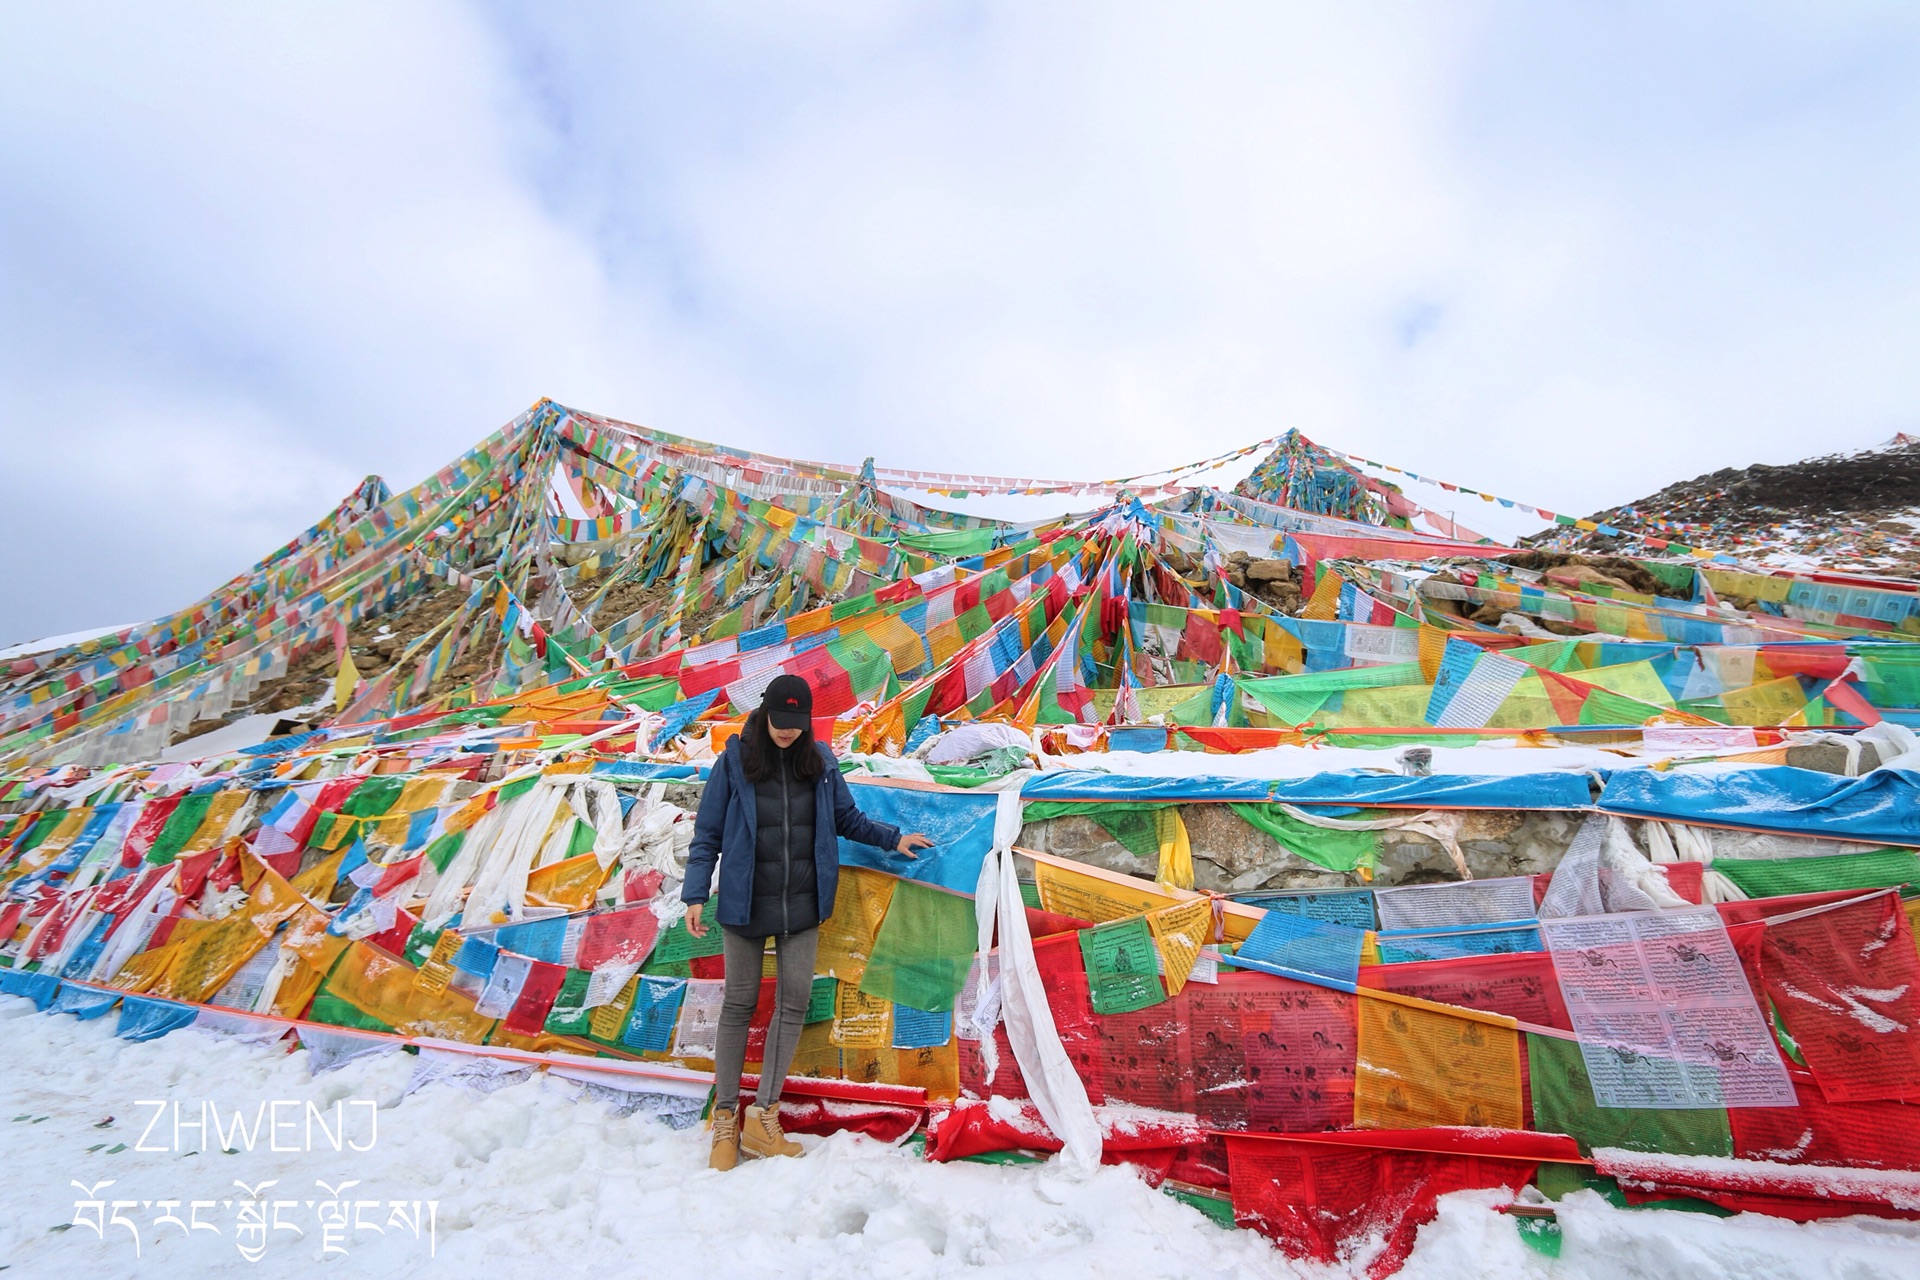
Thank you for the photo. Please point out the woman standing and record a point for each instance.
(774, 809)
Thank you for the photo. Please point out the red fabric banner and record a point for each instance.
(1064, 975)
(1322, 1198)
(1861, 1135)
(1007, 1081)
(1798, 1192)
(830, 1115)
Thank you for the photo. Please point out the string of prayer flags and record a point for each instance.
(570, 1015)
(617, 937)
(1327, 1197)
(1087, 897)
(1293, 1045)
(924, 947)
(504, 984)
(1400, 946)
(676, 944)
(1563, 1102)
(476, 956)
(1521, 985)
(656, 1007)
(1119, 960)
(847, 936)
(1457, 904)
(1859, 1135)
(607, 982)
(1180, 932)
(1351, 907)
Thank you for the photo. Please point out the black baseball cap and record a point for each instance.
(788, 703)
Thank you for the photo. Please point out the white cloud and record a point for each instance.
(1564, 255)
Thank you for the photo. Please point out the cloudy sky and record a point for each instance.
(1562, 252)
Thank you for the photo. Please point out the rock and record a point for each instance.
(1830, 757)
(1579, 575)
(1269, 571)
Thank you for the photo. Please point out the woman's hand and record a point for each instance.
(908, 843)
(695, 925)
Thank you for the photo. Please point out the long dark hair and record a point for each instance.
(759, 757)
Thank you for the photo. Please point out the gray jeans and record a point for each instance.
(793, 961)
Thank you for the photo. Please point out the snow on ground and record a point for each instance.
(533, 1174)
(26, 647)
(247, 731)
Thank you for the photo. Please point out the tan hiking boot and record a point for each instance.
(726, 1139)
(761, 1135)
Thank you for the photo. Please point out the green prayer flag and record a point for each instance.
(180, 826)
(1120, 966)
(1776, 877)
(1132, 825)
(925, 945)
(569, 1015)
(1563, 1103)
(1323, 846)
(820, 1004)
(420, 944)
(441, 851)
(514, 790)
(677, 944)
(375, 796)
(335, 1012)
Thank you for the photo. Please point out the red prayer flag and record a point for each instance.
(617, 937)
(529, 1013)
(1847, 984)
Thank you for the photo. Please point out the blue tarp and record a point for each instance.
(1350, 787)
(960, 824)
(1882, 806)
(84, 1003)
(1076, 784)
(646, 770)
(144, 1018)
(37, 987)
(1442, 791)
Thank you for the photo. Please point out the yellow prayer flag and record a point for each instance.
(607, 1021)
(1175, 870)
(1181, 931)
(1419, 1067)
(1325, 602)
(1088, 897)
(861, 1021)
(345, 681)
(846, 937)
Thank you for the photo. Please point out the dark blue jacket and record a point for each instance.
(724, 828)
